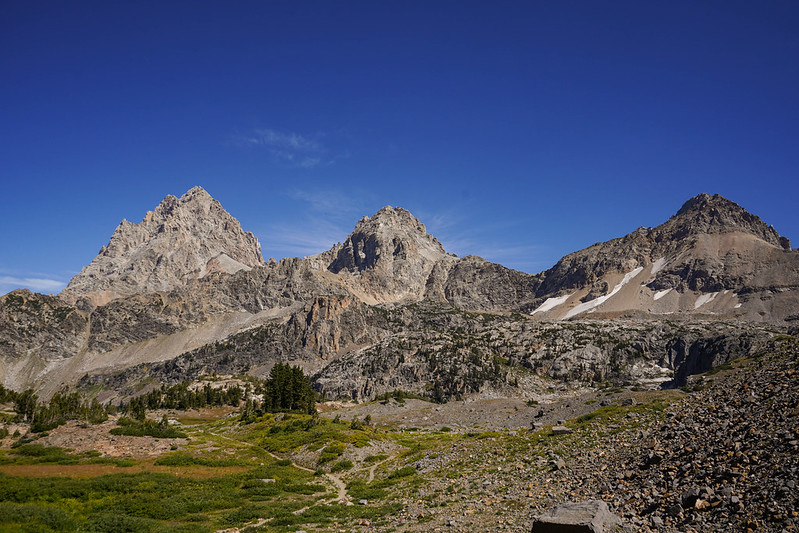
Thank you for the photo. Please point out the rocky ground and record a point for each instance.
(726, 460)
(83, 438)
(721, 458)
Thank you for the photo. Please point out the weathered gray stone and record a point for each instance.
(592, 516)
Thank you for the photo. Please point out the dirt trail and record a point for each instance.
(338, 483)
(342, 488)
(374, 467)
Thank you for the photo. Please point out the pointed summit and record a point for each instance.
(708, 214)
(391, 253)
(181, 239)
(392, 234)
(196, 191)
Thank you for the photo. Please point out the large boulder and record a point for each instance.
(592, 516)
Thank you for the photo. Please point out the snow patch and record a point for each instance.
(736, 306)
(658, 265)
(661, 294)
(551, 303)
(596, 302)
(705, 299)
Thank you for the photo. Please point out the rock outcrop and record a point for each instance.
(182, 239)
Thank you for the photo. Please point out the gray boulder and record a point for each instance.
(592, 516)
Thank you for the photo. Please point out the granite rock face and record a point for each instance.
(388, 256)
(182, 239)
(46, 325)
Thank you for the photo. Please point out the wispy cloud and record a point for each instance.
(291, 148)
(331, 203)
(321, 218)
(45, 285)
(325, 217)
(524, 257)
(316, 235)
(459, 233)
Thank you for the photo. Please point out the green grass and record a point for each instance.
(28, 454)
(149, 501)
(345, 464)
(187, 459)
(296, 431)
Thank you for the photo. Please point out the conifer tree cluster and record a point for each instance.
(181, 397)
(63, 406)
(287, 389)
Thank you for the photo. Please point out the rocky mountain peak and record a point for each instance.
(705, 213)
(391, 251)
(392, 233)
(181, 239)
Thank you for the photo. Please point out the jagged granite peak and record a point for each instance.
(181, 239)
(390, 253)
(392, 233)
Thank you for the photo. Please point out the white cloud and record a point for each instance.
(457, 233)
(291, 148)
(331, 203)
(44, 285)
(326, 216)
(283, 140)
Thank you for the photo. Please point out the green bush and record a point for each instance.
(28, 517)
(186, 459)
(360, 490)
(38, 453)
(345, 464)
(142, 428)
(405, 471)
(113, 523)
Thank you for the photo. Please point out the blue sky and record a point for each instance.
(518, 131)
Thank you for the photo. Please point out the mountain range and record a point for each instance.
(186, 292)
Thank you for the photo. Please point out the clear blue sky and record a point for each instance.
(518, 131)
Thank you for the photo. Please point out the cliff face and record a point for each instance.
(182, 239)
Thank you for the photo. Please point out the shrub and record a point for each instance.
(402, 472)
(142, 428)
(345, 464)
(186, 459)
(27, 516)
(113, 523)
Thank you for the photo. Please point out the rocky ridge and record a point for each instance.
(174, 292)
(356, 352)
(718, 457)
